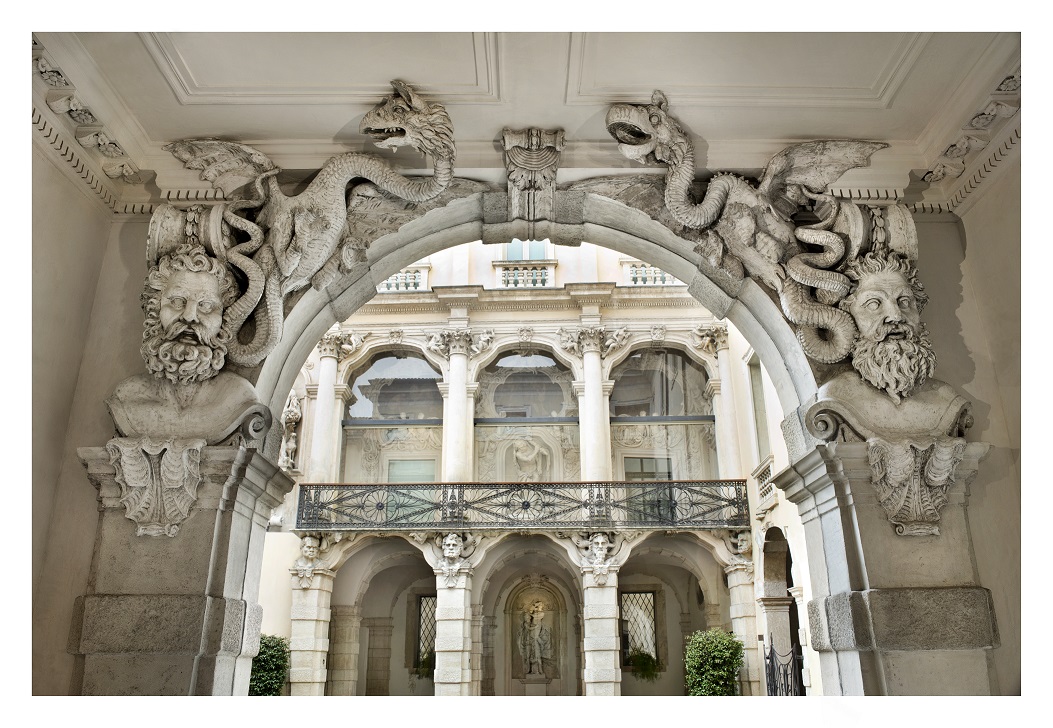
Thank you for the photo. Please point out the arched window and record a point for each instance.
(393, 429)
(662, 425)
(526, 426)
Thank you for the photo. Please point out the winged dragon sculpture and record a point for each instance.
(741, 226)
(309, 238)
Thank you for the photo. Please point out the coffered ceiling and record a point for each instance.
(299, 98)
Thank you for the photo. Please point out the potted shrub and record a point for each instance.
(712, 660)
(270, 666)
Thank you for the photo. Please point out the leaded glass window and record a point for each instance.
(638, 623)
(424, 660)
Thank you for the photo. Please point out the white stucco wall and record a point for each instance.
(70, 230)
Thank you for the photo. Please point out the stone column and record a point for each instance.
(797, 592)
(477, 649)
(469, 437)
(714, 341)
(456, 345)
(602, 637)
(592, 343)
(175, 614)
(453, 633)
(744, 624)
(309, 634)
(320, 468)
(378, 656)
(345, 639)
(892, 614)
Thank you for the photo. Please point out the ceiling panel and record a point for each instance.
(318, 68)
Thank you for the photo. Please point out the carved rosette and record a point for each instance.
(912, 478)
(710, 339)
(460, 341)
(158, 481)
(592, 339)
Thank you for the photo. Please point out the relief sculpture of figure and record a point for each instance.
(530, 461)
(535, 640)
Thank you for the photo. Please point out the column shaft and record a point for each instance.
(744, 624)
(309, 636)
(729, 455)
(594, 421)
(453, 636)
(321, 466)
(456, 427)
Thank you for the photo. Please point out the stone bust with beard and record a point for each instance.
(890, 389)
(185, 339)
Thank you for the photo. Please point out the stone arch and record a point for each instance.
(606, 223)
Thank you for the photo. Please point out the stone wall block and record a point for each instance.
(602, 643)
(601, 675)
(932, 619)
(137, 674)
(601, 611)
(847, 621)
(142, 623)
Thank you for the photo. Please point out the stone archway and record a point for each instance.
(197, 441)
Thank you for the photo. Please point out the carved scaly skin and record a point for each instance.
(658, 136)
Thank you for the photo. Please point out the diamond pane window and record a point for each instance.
(638, 622)
(424, 660)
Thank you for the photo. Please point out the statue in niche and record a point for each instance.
(535, 640)
(531, 460)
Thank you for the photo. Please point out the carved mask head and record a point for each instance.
(648, 132)
(893, 351)
(309, 548)
(452, 546)
(599, 546)
(185, 337)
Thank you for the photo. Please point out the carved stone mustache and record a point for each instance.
(178, 328)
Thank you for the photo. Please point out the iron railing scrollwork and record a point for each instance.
(783, 672)
(679, 504)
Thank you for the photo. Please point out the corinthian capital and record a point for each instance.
(710, 338)
(592, 338)
(460, 341)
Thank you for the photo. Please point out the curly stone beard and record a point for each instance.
(182, 362)
(896, 365)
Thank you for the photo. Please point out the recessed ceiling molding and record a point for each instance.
(583, 88)
(482, 87)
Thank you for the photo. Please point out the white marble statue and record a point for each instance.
(530, 460)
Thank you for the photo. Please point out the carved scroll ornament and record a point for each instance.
(158, 481)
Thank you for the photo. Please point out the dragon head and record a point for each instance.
(404, 118)
(648, 132)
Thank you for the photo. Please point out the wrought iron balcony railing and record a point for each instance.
(678, 504)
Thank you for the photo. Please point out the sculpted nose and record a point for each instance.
(893, 315)
(190, 312)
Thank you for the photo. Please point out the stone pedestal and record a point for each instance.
(177, 615)
(891, 614)
(602, 638)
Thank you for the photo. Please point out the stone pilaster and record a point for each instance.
(177, 615)
(890, 614)
(309, 635)
(453, 633)
(744, 624)
(378, 655)
(602, 633)
(477, 649)
(345, 640)
(456, 345)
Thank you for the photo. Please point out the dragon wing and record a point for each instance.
(814, 166)
(229, 166)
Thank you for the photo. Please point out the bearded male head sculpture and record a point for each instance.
(892, 351)
(185, 337)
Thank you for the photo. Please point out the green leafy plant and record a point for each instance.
(426, 666)
(270, 666)
(712, 660)
(645, 665)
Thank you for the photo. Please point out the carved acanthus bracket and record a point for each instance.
(460, 341)
(592, 339)
(912, 477)
(158, 481)
(710, 338)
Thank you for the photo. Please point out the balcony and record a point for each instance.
(654, 505)
(525, 273)
(414, 278)
(637, 273)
